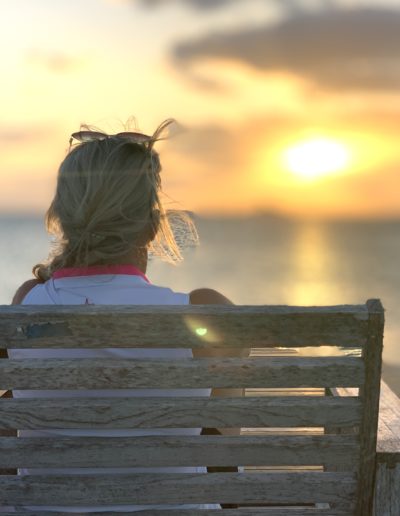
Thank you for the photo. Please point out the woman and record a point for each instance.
(106, 215)
(107, 211)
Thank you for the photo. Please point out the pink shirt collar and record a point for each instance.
(96, 270)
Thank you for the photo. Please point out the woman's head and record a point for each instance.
(107, 205)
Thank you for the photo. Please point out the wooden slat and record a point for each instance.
(151, 451)
(267, 511)
(179, 412)
(103, 373)
(175, 326)
(372, 354)
(143, 488)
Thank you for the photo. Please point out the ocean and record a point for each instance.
(259, 260)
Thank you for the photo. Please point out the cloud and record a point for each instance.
(291, 6)
(196, 4)
(55, 62)
(21, 134)
(211, 147)
(14, 135)
(335, 48)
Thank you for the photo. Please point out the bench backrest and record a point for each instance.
(306, 463)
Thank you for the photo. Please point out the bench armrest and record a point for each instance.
(388, 443)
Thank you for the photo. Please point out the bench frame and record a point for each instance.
(379, 471)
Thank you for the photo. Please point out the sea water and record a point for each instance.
(259, 260)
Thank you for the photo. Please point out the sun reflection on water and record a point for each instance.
(313, 268)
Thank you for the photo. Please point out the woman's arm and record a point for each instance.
(23, 290)
(208, 296)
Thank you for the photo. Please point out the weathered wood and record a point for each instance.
(178, 412)
(267, 511)
(387, 477)
(388, 445)
(221, 327)
(105, 373)
(307, 487)
(372, 354)
(154, 451)
(387, 490)
(175, 326)
(387, 480)
(388, 442)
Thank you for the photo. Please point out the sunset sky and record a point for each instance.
(290, 107)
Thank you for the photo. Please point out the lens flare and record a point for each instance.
(201, 331)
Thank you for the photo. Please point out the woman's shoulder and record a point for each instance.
(208, 296)
(200, 296)
(24, 289)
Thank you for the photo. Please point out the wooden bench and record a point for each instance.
(294, 463)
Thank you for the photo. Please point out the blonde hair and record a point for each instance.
(107, 199)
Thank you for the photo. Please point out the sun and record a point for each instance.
(316, 158)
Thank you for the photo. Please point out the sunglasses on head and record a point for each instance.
(89, 136)
(132, 136)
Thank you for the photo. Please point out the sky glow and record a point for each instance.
(249, 80)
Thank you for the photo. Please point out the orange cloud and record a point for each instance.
(55, 62)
